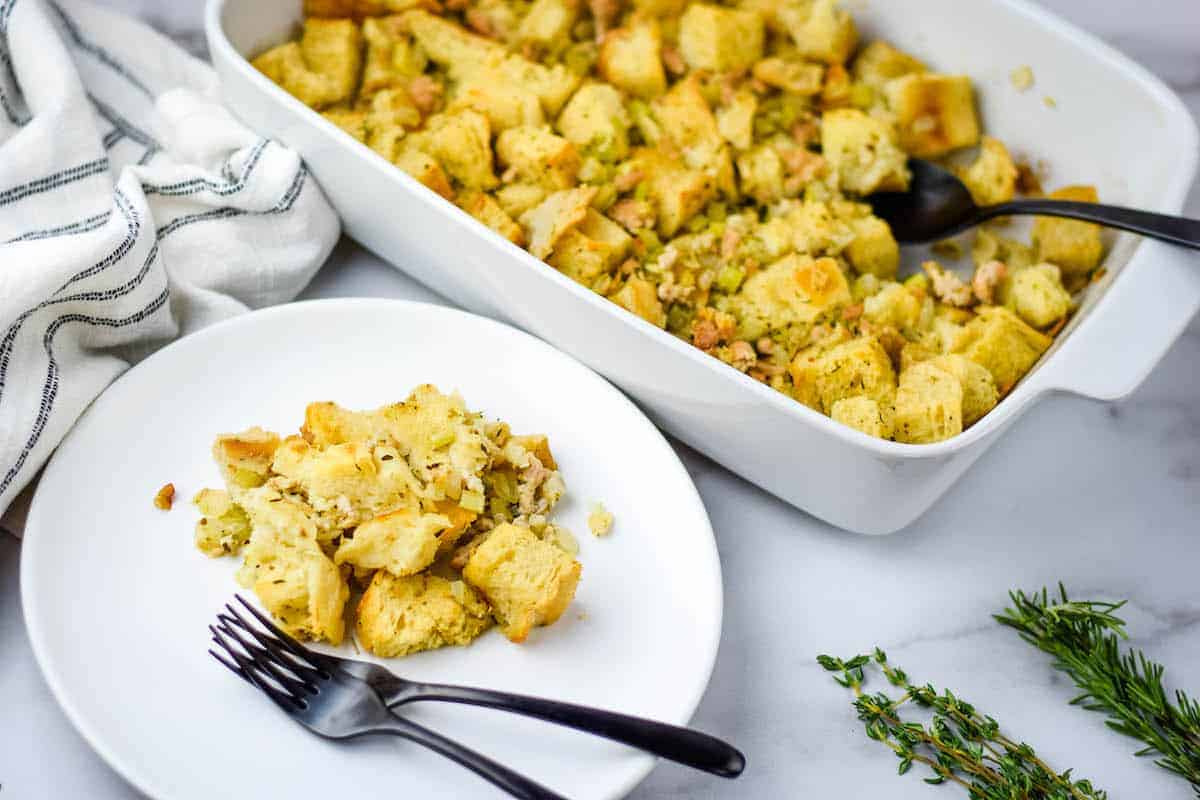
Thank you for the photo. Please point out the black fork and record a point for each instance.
(336, 705)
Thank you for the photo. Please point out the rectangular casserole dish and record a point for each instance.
(1114, 125)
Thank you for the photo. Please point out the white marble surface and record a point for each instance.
(1106, 498)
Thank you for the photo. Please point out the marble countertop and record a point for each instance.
(1103, 497)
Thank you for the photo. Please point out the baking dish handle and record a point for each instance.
(1132, 327)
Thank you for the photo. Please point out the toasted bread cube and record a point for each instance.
(719, 38)
(398, 616)
(863, 414)
(547, 24)
(760, 174)
(505, 104)
(677, 192)
(820, 30)
(929, 405)
(352, 122)
(798, 77)
(539, 156)
(989, 247)
(518, 198)
(690, 129)
(797, 289)
(859, 367)
(874, 250)
(631, 58)
(450, 44)
(1037, 295)
(461, 142)
(816, 228)
(224, 527)
(485, 209)
(735, 121)
(546, 223)
(935, 114)
(285, 66)
(287, 569)
(425, 169)
(403, 542)
(978, 386)
(992, 178)
(1073, 245)
(893, 305)
(333, 48)
(245, 458)
(391, 112)
(864, 152)
(527, 581)
(639, 296)
(880, 62)
(594, 248)
(392, 56)
(553, 85)
(595, 119)
(1003, 343)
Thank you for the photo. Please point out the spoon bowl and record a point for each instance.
(938, 205)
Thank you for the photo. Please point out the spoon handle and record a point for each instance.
(1176, 230)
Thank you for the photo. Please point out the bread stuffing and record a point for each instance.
(437, 519)
(703, 166)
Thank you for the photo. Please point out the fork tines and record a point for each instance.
(276, 663)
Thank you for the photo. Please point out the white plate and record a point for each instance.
(117, 599)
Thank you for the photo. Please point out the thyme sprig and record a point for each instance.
(958, 745)
(1084, 637)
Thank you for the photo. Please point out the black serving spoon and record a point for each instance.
(937, 205)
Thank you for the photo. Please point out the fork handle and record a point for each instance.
(497, 774)
(1176, 230)
(682, 745)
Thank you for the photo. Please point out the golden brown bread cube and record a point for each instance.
(879, 62)
(399, 616)
(719, 38)
(640, 296)
(992, 178)
(678, 193)
(592, 249)
(979, 388)
(690, 129)
(485, 209)
(874, 250)
(286, 567)
(760, 174)
(863, 414)
(505, 104)
(392, 57)
(403, 542)
(935, 114)
(1074, 246)
(929, 405)
(245, 458)
(1037, 295)
(735, 119)
(425, 169)
(820, 29)
(595, 119)
(631, 58)
(547, 223)
(894, 305)
(527, 581)
(797, 289)
(461, 142)
(547, 24)
(859, 367)
(864, 152)
(538, 155)
(1003, 343)
(333, 48)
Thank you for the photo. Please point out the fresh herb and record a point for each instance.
(958, 744)
(1084, 639)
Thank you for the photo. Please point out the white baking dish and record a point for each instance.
(1115, 125)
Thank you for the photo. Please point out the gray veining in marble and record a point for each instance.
(1105, 497)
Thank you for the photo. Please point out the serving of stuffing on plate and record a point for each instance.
(439, 516)
(702, 165)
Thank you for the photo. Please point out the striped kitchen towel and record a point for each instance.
(133, 209)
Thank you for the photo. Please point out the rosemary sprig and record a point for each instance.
(958, 745)
(1084, 639)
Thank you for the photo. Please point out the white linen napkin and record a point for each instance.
(133, 209)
